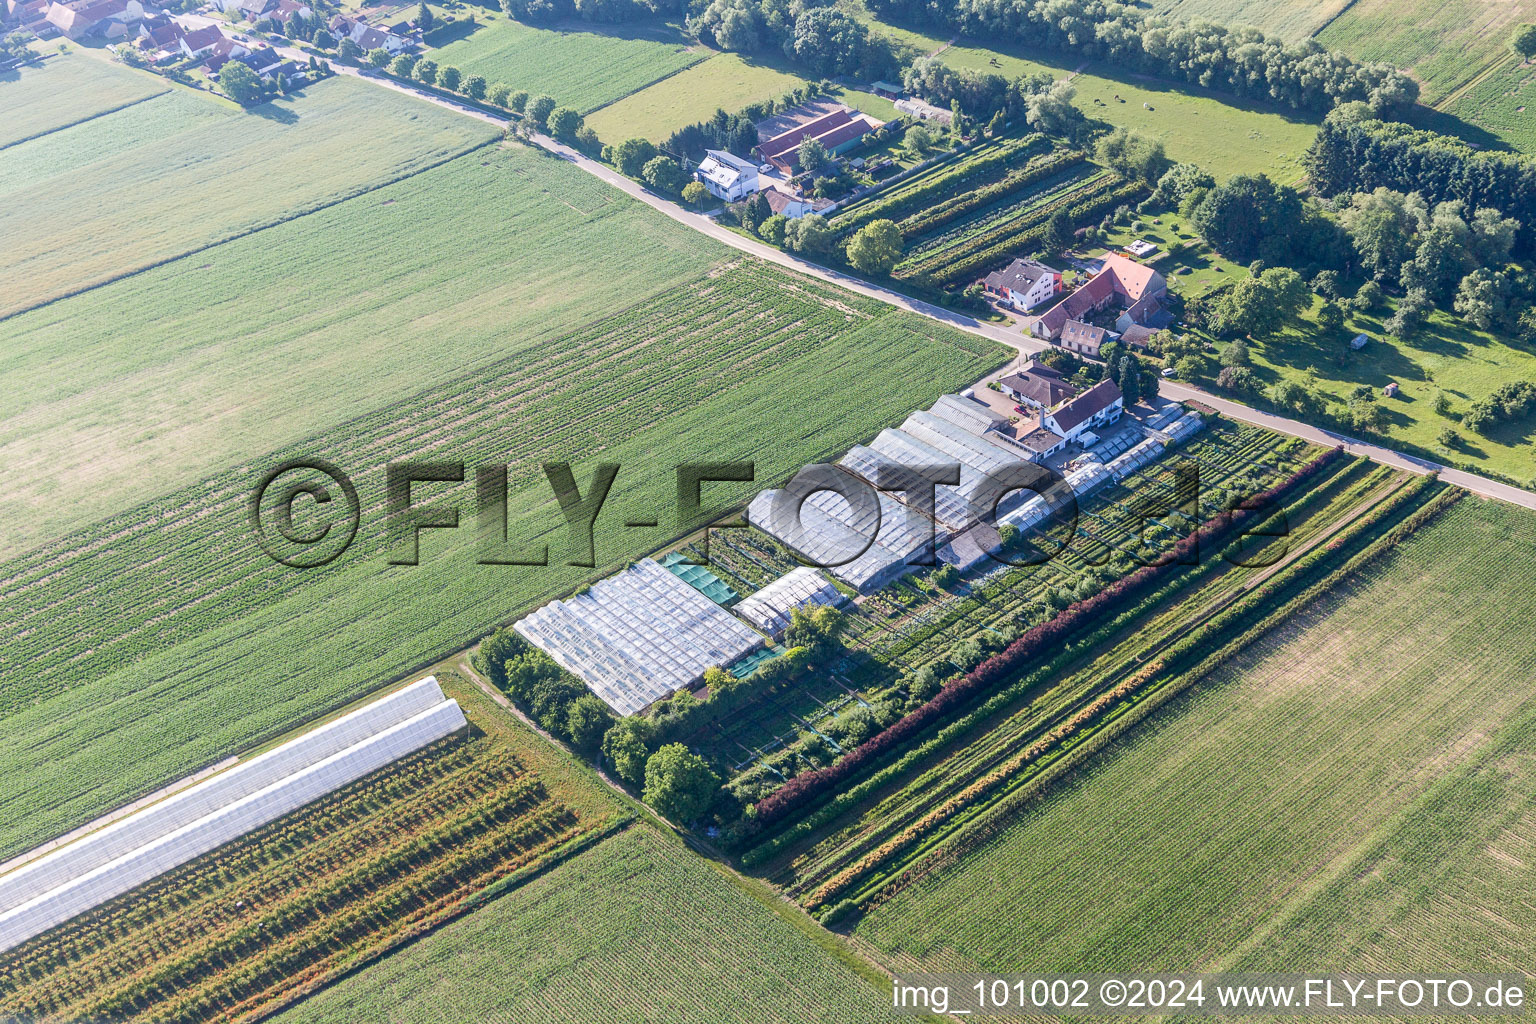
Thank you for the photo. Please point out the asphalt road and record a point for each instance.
(1013, 338)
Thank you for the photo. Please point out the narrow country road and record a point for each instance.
(1012, 338)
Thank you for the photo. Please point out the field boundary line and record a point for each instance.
(1488, 70)
(145, 268)
(1335, 16)
(655, 81)
(86, 120)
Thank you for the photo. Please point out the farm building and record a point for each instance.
(638, 636)
(77, 19)
(1138, 287)
(1023, 284)
(769, 609)
(113, 860)
(839, 129)
(971, 415)
(727, 176)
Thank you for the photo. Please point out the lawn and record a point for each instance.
(392, 854)
(126, 191)
(313, 322)
(1282, 789)
(723, 82)
(1222, 134)
(163, 639)
(68, 89)
(638, 929)
(1448, 356)
(580, 64)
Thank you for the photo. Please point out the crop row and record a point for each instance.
(926, 221)
(1185, 662)
(994, 247)
(919, 192)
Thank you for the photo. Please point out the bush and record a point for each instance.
(772, 229)
(662, 174)
(695, 194)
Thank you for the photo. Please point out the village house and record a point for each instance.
(1084, 339)
(794, 207)
(727, 176)
(1023, 284)
(200, 42)
(78, 19)
(1100, 405)
(1137, 286)
(838, 130)
(1037, 387)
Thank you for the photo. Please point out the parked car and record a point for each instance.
(1167, 371)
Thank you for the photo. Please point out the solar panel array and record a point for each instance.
(635, 637)
(769, 609)
(113, 860)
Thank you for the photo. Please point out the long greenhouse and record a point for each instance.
(107, 863)
(769, 609)
(638, 636)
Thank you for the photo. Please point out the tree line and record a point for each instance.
(1241, 61)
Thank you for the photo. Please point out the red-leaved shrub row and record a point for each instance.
(802, 789)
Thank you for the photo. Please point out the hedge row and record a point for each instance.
(955, 180)
(802, 790)
(1229, 636)
(1226, 633)
(938, 216)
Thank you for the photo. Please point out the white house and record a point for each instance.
(794, 207)
(1023, 284)
(1103, 403)
(727, 176)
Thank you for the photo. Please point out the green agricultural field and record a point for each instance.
(68, 89)
(162, 639)
(638, 929)
(1298, 805)
(106, 395)
(723, 82)
(1292, 20)
(179, 172)
(581, 65)
(1224, 135)
(1503, 101)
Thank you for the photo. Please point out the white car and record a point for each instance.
(1167, 371)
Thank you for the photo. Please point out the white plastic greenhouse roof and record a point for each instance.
(901, 476)
(769, 608)
(967, 413)
(637, 636)
(977, 452)
(165, 835)
(830, 530)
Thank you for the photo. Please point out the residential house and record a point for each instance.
(265, 61)
(1099, 405)
(77, 19)
(159, 34)
(371, 38)
(838, 130)
(224, 51)
(200, 41)
(1084, 339)
(1137, 286)
(727, 176)
(1137, 336)
(1037, 387)
(255, 10)
(1023, 284)
(794, 207)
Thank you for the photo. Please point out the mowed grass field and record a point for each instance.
(117, 193)
(1219, 133)
(146, 385)
(1304, 781)
(723, 82)
(67, 89)
(638, 929)
(163, 639)
(580, 64)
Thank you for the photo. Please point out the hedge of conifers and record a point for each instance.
(803, 790)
